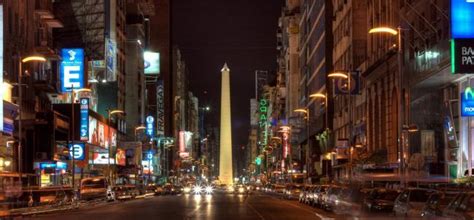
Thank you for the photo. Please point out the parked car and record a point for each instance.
(380, 200)
(292, 191)
(329, 197)
(318, 194)
(306, 194)
(460, 207)
(94, 187)
(411, 201)
(436, 203)
(159, 190)
(349, 201)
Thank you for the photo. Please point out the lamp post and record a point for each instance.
(347, 75)
(20, 97)
(397, 32)
(138, 128)
(305, 111)
(110, 113)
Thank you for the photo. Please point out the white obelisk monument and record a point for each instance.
(225, 154)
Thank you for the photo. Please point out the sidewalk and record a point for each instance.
(44, 209)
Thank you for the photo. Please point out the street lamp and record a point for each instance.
(325, 98)
(110, 114)
(401, 121)
(20, 96)
(138, 128)
(347, 75)
(305, 111)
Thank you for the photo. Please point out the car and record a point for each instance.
(411, 201)
(159, 190)
(330, 196)
(380, 200)
(436, 203)
(240, 189)
(318, 193)
(292, 191)
(460, 207)
(95, 188)
(303, 197)
(349, 201)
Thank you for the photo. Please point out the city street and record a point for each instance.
(217, 206)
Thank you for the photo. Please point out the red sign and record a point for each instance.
(120, 157)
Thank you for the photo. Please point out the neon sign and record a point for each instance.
(263, 110)
(72, 69)
(467, 102)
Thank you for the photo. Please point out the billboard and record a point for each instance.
(462, 56)
(72, 69)
(160, 120)
(462, 19)
(111, 59)
(147, 166)
(151, 63)
(120, 157)
(100, 134)
(77, 151)
(84, 121)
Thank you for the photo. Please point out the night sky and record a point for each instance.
(239, 32)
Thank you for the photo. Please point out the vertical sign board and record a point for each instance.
(1, 66)
(84, 119)
(160, 120)
(72, 69)
(149, 126)
(263, 110)
(462, 34)
(342, 87)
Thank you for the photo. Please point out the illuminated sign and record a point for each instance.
(120, 157)
(462, 19)
(84, 119)
(77, 151)
(56, 165)
(72, 69)
(467, 102)
(462, 56)
(263, 111)
(182, 142)
(149, 125)
(152, 63)
(160, 120)
(285, 145)
(101, 158)
(258, 161)
(147, 166)
(100, 134)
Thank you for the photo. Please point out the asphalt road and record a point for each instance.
(217, 206)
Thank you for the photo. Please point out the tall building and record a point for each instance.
(315, 55)
(225, 154)
(350, 40)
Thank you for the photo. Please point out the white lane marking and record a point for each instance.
(322, 217)
(255, 210)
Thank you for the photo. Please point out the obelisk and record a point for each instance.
(225, 154)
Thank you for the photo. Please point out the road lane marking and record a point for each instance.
(255, 210)
(322, 217)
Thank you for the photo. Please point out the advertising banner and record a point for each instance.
(152, 63)
(120, 157)
(467, 102)
(100, 134)
(101, 159)
(111, 59)
(462, 19)
(72, 69)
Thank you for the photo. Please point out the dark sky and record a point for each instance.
(239, 32)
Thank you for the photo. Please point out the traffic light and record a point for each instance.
(258, 161)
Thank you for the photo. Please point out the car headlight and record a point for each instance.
(258, 188)
(248, 187)
(241, 190)
(230, 188)
(197, 189)
(187, 189)
(208, 189)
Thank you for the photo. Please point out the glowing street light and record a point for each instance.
(339, 75)
(33, 58)
(383, 30)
